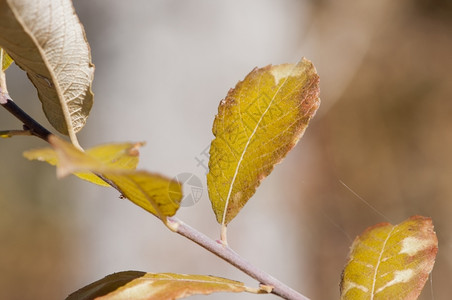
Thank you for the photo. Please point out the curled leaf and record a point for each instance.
(146, 286)
(122, 156)
(116, 163)
(258, 123)
(390, 261)
(46, 39)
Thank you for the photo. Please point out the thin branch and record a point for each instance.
(224, 252)
(227, 254)
(218, 248)
(30, 124)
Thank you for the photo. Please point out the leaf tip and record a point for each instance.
(135, 149)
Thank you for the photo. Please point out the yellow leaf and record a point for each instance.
(6, 59)
(53, 50)
(390, 261)
(72, 160)
(155, 193)
(123, 156)
(115, 162)
(257, 124)
(44, 154)
(49, 155)
(146, 286)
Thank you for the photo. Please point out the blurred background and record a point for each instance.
(382, 134)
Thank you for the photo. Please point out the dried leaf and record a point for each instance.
(390, 262)
(115, 162)
(147, 286)
(257, 124)
(46, 39)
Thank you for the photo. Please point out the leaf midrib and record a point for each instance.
(55, 80)
(246, 147)
(372, 293)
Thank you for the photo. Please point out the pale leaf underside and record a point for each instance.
(46, 39)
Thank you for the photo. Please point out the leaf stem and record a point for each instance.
(224, 234)
(223, 251)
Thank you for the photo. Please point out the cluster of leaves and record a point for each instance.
(258, 123)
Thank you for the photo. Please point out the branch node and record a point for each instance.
(172, 224)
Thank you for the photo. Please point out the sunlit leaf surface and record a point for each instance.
(153, 192)
(123, 156)
(147, 286)
(390, 261)
(258, 123)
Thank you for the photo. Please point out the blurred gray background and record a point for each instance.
(383, 129)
